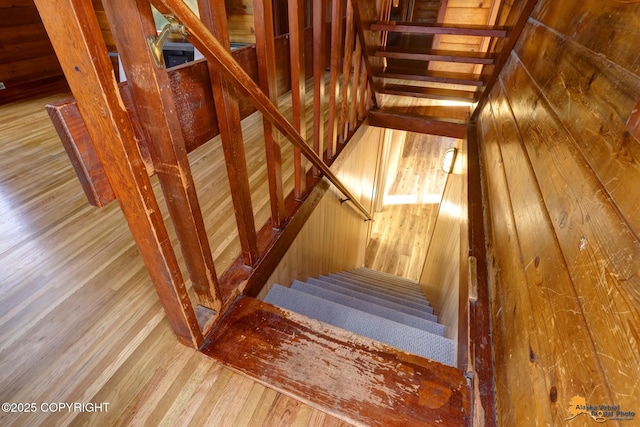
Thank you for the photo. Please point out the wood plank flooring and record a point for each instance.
(79, 319)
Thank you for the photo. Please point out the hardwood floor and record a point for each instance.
(79, 319)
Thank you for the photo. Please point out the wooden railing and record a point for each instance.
(109, 130)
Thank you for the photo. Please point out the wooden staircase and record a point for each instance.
(406, 72)
(316, 357)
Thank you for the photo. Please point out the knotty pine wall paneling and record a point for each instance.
(335, 236)
(563, 214)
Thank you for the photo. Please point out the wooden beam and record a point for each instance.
(421, 124)
(212, 13)
(131, 23)
(82, 153)
(319, 64)
(77, 40)
(428, 28)
(480, 350)
(266, 52)
(298, 88)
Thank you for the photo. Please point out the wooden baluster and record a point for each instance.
(353, 115)
(362, 107)
(319, 62)
(298, 89)
(364, 15)
(213, 16)
(336, 54)
(266, 53)
(348, 54)
(131, 23)
(77, 39)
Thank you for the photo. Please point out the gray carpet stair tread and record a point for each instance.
(424, 305)
(369, 307)
(410, 339)
(376, 300)
(385, 277)
(409, 296)
(379, 279)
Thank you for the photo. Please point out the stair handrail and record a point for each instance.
(210, 47)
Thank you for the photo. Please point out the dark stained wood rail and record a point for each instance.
(334, 370)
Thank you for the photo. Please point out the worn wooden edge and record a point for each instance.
(354, 378)
(479, 311)
(417, 123)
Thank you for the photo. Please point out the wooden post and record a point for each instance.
(213, 16)
(319, 62)
(266, 53)
(131, 23)
(336, 55)
(298, 89)
(77, 39)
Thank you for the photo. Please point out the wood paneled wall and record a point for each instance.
(335, 236)
(440, 278)
(26, 56)
(562, 196)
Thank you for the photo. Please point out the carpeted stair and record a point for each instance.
(379, 306)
